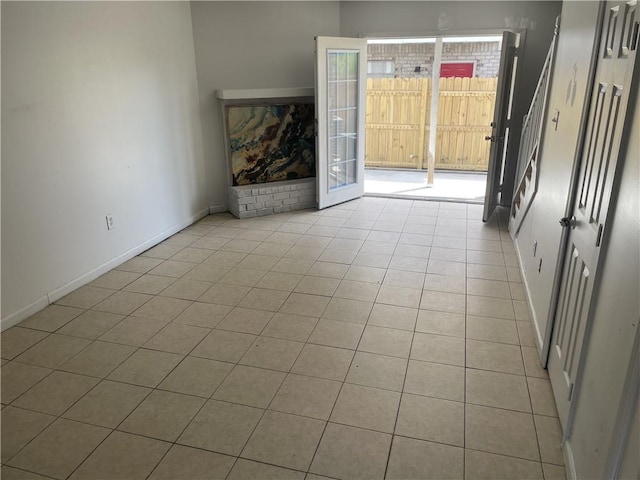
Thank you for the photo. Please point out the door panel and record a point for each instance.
(604, 137)
(573, 309)
(501, 118)
(340, 103)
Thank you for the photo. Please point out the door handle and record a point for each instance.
(569, 222)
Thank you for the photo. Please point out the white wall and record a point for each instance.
(402, 18)
(572, 68)
(252, 45)
(99, 116)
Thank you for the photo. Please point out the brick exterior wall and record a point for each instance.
(268, 198)
(408, 56)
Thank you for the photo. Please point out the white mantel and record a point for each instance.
(253, 93)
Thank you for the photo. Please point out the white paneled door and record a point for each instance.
(341, 79)
(602, 150)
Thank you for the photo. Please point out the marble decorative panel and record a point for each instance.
(270, 143)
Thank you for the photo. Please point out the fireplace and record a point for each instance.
(270, 147)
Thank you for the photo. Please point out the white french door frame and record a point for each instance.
(503, 139)
(340, 179)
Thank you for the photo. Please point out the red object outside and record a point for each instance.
(463, 70)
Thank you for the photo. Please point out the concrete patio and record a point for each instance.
(460, 186)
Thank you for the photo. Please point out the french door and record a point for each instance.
(500, 124)
(603, 145)
(341, 76)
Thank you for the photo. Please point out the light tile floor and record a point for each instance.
(376, 339)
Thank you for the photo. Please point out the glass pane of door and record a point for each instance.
(342, 78)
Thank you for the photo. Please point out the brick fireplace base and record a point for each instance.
(269, 198)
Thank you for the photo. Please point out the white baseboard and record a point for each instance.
(219, 208)
(76, 283)
(25, 312)
(532, 312)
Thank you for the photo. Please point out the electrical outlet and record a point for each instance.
(110, 222)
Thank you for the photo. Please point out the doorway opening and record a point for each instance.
(411, 126)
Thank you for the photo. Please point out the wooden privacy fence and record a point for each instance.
(397, 125)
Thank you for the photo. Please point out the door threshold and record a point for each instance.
(420, 197)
